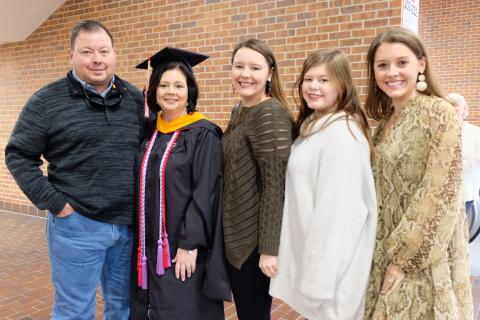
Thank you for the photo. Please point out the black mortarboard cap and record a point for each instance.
(169, 54)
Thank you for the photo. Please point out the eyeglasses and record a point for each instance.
(114, 97)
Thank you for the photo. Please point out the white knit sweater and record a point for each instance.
(329, 223)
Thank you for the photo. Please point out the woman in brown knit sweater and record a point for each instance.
(256, 147)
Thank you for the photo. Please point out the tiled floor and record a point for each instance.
(25, 288)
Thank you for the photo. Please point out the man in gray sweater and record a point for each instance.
(88, 126)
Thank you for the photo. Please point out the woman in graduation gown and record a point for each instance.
(179, 267)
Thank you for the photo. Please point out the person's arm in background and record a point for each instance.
(472, 137)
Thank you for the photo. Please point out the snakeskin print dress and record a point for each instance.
(421, 224)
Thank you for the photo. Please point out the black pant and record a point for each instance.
(250, 289)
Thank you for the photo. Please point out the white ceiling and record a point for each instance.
(19, 18)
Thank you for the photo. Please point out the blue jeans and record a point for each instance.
(84, 252)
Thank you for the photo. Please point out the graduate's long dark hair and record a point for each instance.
(156, 76)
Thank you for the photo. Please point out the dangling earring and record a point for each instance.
(421, 84)
(269, 87)
(233, 90)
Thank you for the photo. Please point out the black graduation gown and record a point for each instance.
(194, 183)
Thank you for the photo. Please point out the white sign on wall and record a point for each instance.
(410, 14)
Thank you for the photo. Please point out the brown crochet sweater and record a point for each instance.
(256, 147)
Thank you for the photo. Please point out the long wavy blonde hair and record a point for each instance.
(378, 105)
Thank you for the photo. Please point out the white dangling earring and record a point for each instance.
(421, 84)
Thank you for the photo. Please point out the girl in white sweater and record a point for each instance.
(329, 216)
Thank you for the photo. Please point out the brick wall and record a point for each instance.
(450, 30)
(141, 27)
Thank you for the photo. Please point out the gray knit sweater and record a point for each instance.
(90, 150)
(256, 147)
